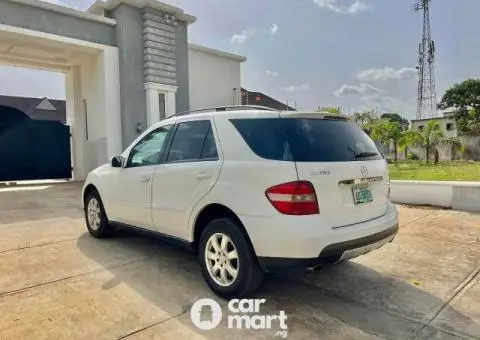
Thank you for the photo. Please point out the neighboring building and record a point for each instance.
(214, 77)
(261, 99)
(446, 123)
(37, 108)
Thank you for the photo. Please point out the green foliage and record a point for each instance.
(388, 130)
(427, 138)
(443, 171)
(464, 98)
(412, 156)
(395, 117)
(365, 120)
(330, 110)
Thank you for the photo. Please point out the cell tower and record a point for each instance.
(426, 95)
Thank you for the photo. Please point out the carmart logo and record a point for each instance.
(204, 321)
(206, 314)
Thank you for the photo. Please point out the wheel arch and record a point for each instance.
(209, 213)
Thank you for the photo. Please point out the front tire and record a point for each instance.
(95, 216)
(229, 264)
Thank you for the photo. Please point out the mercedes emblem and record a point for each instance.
(364, 171)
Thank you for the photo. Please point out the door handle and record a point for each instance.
(204, 175)
(145, 179)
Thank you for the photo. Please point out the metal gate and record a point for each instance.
(33, 149)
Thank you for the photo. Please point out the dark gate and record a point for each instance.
(32, 149)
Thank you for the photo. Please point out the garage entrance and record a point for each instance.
(36, 148)
(33, 149)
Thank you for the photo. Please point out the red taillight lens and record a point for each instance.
(294, 198)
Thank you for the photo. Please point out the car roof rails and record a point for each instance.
(224, 108)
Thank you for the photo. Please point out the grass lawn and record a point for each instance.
(443, 171)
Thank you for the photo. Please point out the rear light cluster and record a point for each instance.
(294, 198)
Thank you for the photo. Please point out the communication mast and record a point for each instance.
(426, 94)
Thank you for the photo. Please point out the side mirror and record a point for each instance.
(116, 162)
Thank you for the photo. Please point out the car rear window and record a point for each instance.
(307, 139)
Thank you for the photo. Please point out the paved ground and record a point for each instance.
(56, 282)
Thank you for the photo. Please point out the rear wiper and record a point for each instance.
(365, 154)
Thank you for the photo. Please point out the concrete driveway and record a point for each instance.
(56, 282)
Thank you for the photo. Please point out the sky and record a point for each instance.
(355, 54)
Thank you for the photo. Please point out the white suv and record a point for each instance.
(250, 189)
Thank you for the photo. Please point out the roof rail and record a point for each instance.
(224, 108)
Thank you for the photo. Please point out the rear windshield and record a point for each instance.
(307, 140)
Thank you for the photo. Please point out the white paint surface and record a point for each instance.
(456, 195)
(153, 90)
(213, 76)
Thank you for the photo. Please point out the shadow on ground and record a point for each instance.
(365, 300)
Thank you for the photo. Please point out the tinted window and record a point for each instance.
(188, 141)
(307, 140)
(265, 137)
(149, 150)
(209, 150)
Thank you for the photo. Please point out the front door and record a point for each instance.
(132, 194)
(189, 172)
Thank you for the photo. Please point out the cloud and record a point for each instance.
(337, 7)
(387, 73)
(271, 73)
(273, 29)
(243, 36)
(292, 88)
(390, 104)
(347, 90)
(356, 7)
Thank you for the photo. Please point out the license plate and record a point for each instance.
(362, 194)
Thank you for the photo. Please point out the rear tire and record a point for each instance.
(95, 216)
(229, 264)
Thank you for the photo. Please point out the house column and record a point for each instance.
(76, 120)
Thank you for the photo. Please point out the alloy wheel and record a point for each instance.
(221, 258)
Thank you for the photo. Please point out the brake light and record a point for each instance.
(294, 198)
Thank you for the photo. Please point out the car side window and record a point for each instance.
(148, 150)
(188, 141)
(209, 150)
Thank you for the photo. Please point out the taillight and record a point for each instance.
(294, 198)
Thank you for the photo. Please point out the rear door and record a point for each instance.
(342, 162)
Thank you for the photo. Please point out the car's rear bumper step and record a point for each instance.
(330, 254)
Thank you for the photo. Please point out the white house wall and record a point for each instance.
(212, 78)
(100, 89)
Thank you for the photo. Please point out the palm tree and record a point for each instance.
(365, 120)
(387, 132)
(428, 138)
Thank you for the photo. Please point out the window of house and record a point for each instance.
(193, 141)
(420, 127)
(450, 126)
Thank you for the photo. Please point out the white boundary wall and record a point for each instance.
(456, 195)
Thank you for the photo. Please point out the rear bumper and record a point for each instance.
(309, 239)
(333, 253)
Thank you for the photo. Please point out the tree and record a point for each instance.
(365, 120)
(387, 131)
(428, 138)
(464, 98)
(330, 109)
(395, 117)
